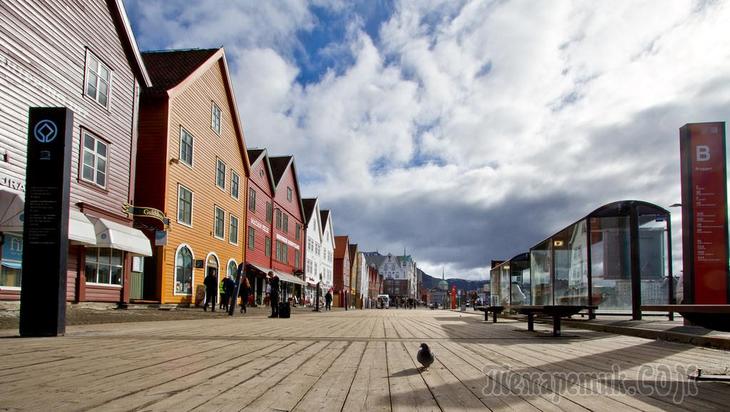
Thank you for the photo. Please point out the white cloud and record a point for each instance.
(468, 131)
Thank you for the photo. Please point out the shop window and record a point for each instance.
(184, 271)
(104, 266)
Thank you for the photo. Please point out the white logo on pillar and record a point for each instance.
(703, 153)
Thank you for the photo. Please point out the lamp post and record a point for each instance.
(316, 298)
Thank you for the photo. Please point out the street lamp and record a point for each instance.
(316, 298)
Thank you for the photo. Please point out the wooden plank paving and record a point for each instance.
(349, 361)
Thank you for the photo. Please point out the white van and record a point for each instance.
(383, 301)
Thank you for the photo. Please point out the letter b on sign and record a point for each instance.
(703, 153)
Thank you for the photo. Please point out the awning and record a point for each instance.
(260, 268)
(80, 229)
(117, 236)
(285, 277)
(11, 264)
(11, 212)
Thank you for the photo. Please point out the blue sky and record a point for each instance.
(470, 130)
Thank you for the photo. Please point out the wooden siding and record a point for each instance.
(257, 256)
(191, 109)
(72, 272)
(263, 183)
(293, 210)
(292, 207)
(43, 50)
(42, 63)
(152, 154)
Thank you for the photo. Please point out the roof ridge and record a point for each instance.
(182, 50)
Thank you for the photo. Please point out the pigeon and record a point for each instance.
(425, 356)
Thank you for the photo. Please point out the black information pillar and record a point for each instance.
(45, 226)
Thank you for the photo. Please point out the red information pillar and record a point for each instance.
(704, 213)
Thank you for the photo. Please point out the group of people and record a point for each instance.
(228, 287)
(229, 291)
(404, 303)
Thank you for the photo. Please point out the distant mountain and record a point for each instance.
(430, 282)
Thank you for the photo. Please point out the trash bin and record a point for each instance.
(284, 310)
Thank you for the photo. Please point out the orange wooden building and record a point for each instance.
(192, 165)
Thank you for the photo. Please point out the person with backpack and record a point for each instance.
(243, 291)
(211, 290)
(229, 287)
(274, 296)
(328, 301)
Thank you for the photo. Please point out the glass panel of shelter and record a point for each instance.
(541, 267)
(611, 263)
(654, 263)
(570, 255)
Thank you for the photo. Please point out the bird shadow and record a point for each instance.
(406, 372)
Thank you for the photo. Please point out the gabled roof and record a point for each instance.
(374, 258)
(172, 71)
(257, 155)
(168, 68)
(279, 165)
(324, 215)
(309, 206)
(341, 246)
(352, 248)
(129, 43)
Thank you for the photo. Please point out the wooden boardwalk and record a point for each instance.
(355, 360)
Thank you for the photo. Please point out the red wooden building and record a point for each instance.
(341, 279)
(275, 220)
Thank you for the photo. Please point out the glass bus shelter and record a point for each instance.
(618, 258)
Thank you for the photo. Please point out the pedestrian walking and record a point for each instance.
(211, 290)
(229, 286)
(328, 301)
(244, 291)
(274, 295)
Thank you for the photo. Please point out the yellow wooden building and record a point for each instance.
(192, 165)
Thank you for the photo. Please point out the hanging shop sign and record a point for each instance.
(146, 212)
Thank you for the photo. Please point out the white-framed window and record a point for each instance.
(233, 230)
(235, 184)
(220, 174)
(288, 193)
(285, 224)
(184, 205)
(267, 246)
(98, 83)
(94, 161)
(104, 266)
(186, 147)
(183, 271)
(219, 224)
(215, 118)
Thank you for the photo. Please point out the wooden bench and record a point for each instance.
(496, 310)
(713, 317)
(554, 311)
